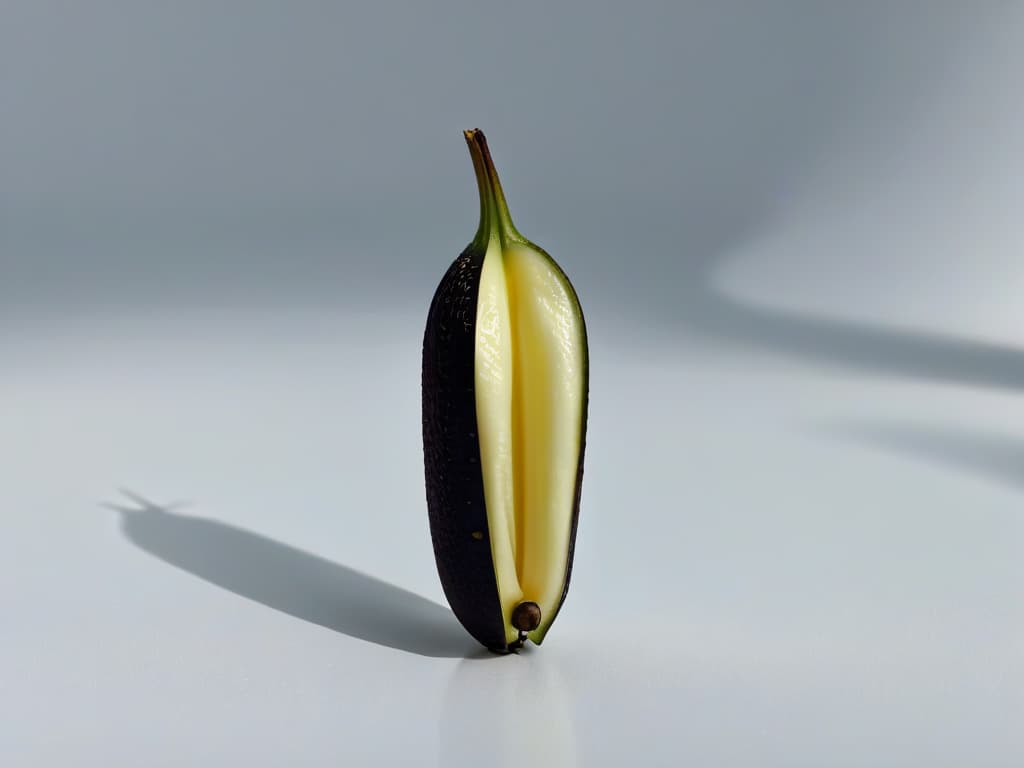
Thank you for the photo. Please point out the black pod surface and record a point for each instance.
(451, 450)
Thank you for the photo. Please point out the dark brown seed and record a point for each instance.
(526, 617)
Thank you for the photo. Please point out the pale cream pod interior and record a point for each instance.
(530, 372)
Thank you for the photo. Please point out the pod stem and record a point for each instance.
(518, 644)
(495, 221)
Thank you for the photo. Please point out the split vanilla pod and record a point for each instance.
(505, 391)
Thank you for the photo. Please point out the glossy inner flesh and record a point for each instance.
(530, 380)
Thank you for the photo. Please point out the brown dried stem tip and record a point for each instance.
(526, 617)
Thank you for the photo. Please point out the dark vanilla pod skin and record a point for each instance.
(451, 450)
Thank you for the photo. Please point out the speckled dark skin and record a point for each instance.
(451, 450)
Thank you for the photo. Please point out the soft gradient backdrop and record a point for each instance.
(795, 230)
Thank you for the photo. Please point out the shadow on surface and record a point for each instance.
(889, 352)
(995, 457)
(294, 582)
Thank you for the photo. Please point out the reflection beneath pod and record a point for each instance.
(507, 711)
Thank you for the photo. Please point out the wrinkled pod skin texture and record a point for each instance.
(451, 449)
